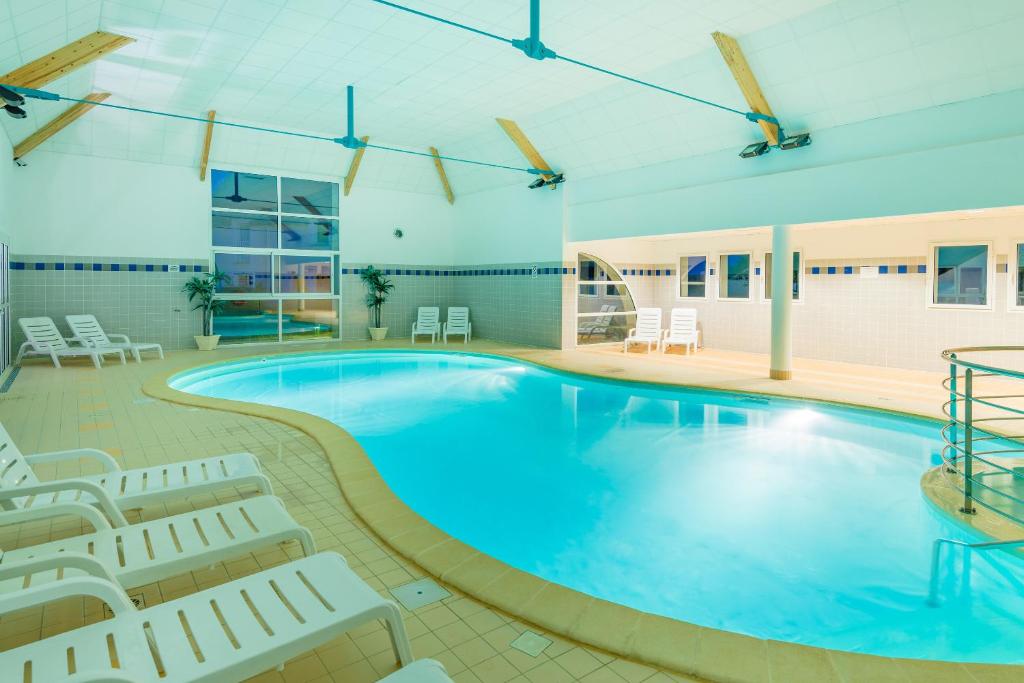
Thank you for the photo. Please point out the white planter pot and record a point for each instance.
(207, 343)
(378, 333)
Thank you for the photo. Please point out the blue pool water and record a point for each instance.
(776, 518)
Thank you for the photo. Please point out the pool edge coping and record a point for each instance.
(679, 646)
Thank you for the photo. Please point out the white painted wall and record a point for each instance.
(509, 225)
(6, 191)
(68, 204)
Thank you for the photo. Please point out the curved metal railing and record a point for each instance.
(983, 451)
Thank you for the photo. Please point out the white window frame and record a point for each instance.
(718, 277)
(707, 277)
(577, 316)
(1011, 277)
(764, 277)
(333, 256)
(990, 278)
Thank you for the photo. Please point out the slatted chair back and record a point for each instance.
(458, 318)
(42, 334)
(87, 328)
(427, 317)
(683, 323)
(648, 323)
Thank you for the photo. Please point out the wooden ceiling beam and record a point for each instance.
(737, 63)
(514, 132)
(204, 160)
(58, 124)
(62, 61)
(353, 168)
(443, 175)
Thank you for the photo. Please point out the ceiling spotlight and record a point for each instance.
(755, 150)
(794, 141)
(539, 182)
(15, 112)
(11, 97)
(556, 179)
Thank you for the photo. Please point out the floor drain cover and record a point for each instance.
(419, 593)
(531, 643)
(138, 599)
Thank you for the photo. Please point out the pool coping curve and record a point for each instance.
(708, 653)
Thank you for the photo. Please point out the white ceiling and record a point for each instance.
(285, 64)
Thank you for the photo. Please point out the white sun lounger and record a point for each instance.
(598, 325)
(458, 323)
(142, 553)
(226, 633)
(114, 489)
(86, 330)
(427, 322)
(44, 339)
(647, 330)
(682, 330)
(420, 671)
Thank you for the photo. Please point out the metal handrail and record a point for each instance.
(933, 582)
(964, 433)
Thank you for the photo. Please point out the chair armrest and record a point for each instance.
(121, 336)
(104, 458)
(103, 499)
(99, 583)
(631, 331)
(72, 508)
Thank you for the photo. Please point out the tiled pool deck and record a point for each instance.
(49, 409)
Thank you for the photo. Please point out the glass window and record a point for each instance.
(312, 197)
(961, 275)
(244, 230)
(246, 273)
(693, 276)
(1020, 274)
(303, 274)
(605, 311)
(768, 275)
(247, 321)
(243, 191)
(734, 276)
(308, 319)
(309, 233)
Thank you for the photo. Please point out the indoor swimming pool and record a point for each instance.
(776, 518)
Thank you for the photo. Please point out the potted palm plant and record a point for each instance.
(378, 288)
(204, 288)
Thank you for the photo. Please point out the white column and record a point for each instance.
(782, 304)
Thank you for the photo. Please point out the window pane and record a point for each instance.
(244, 230)
(594, 270)
(248, 191)
(961, 275)
(309, 233)
(604, 328)
(311, 197)
(303, 274)
(606, 299)
(309, 319)
(734, 276)
(693, 272)
(247, 321)
(1020, 274)
(247, 273)
(768, 275)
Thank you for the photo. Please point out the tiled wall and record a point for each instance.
(142, 297)
(844, 316)
(138, 297)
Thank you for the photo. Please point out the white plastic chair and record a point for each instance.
(138, 554)
(86, 330)
(228, 632)
(682, 330)
(420, 671)
(647, 330)
(427, 322)
(114, 489)
(458, 323)
(44, 339)
(598, 325)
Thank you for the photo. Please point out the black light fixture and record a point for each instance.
(539, 182)
(11, 97)
(795, 141)
(14, 112)
(556, 179)
(755, 150)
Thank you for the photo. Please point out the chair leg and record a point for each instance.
(56, 361)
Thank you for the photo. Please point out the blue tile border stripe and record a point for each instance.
(104, 267)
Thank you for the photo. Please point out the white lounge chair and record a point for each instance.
(225, 633)
(427, 322)
(86, 330)
(420, 671)
(44, 339)
(142, 553)
(458, 323)
(682, 330)
(598, 325)
(647, 330)
(114, 489)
